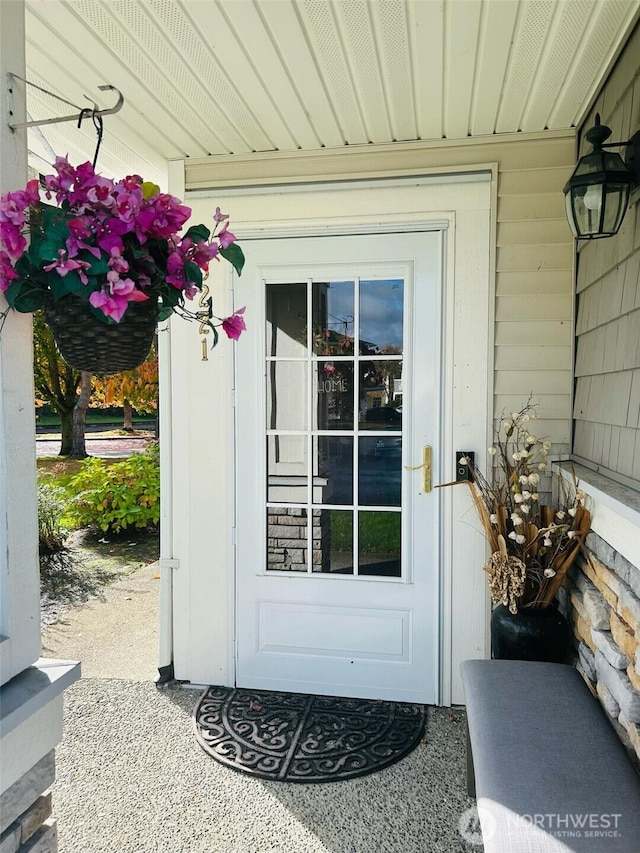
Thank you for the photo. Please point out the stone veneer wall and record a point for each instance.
(604, 611)
(26, 825)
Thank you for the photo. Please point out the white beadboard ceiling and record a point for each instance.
(218, 77)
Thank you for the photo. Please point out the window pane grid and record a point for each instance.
(359, 520)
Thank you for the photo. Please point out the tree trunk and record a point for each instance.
(128, 416)
(78, 446)
(66, 429)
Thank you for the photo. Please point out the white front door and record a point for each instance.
(337, 397)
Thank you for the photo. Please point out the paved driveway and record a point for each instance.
(113, 447)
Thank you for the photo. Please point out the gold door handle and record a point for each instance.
(425, 467)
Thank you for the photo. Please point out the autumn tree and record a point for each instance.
(57, 384)
(132, 389)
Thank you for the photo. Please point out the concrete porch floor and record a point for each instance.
(131, 777)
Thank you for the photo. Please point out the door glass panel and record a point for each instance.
(287, 539)
(286, 312)
(333, 317)
(380, 470)
(350, 423)
(337, 530)
(287, 395)
(381, 316)
(380, 396)
(335, 470)
(287, 469)
(334, 394)
(379, 539)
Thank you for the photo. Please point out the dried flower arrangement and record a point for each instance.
(532, 545)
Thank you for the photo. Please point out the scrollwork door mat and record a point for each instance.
(292, 737)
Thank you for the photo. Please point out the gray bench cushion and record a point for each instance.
(550, 772)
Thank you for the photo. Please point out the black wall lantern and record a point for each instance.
(597, 194)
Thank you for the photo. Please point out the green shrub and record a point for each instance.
(118, 496)
(52, 507)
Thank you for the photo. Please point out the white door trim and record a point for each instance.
(202, 622)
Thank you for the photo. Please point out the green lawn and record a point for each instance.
(379, 531)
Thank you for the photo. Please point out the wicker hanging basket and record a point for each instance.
(101, 348)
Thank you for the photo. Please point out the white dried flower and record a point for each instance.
(542, 466)
(525, 508)
(572, 512)
(493, 518)
(560, 514)
(512, 535)
(547, 542)
(571, 534)
(526, 494)
(535, 496)
(520, 539)
(523, 479)
(525, 419)
(518, 498)
(506, 425)
(534, 479)
(516, 519)
(549, 573)
(492, 451)
(580, 495)
(515, 416)
(546, 445)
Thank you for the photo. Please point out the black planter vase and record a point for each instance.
(532, 634)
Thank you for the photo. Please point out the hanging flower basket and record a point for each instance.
(107, 262)
(86, 343)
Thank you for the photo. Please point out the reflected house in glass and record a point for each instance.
(329, 488)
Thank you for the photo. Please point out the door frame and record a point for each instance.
(202, 624)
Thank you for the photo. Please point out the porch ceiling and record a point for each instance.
(223, 77)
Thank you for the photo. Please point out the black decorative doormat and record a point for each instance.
(291, 737)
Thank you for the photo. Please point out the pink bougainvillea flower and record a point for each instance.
(114, 303)
(129, 226)
(161, 217)
(234, 326)
(226, 238)
(78, 232)
(64, 265)
(66, 172)
(7, 272)
(202, 253)
(175, 270)
(128, 205)
(131, 182)
(14, 205)
(12, 240)
(117, 262)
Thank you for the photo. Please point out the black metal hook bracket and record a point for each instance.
(95, 112)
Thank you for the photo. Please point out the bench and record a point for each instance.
(548, 770)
